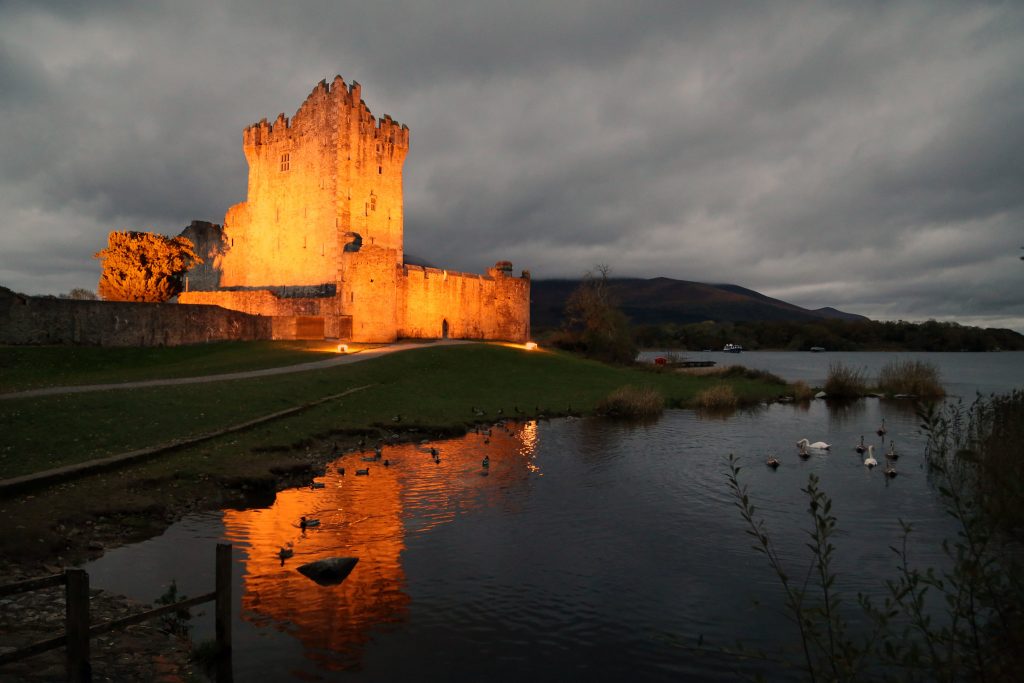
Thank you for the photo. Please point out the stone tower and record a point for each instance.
(330, 176)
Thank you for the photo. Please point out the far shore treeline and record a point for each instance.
(833, 335)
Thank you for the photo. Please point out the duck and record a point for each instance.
(891, 454)
(486, 462)
(772, 461)
(363, 472)
(890, 471)
(308, 523)
(817, 445)
(870, 461)
(284, 553)
(860, 448)
(317, 485)
(882, 430)
(433, 452)
(341, 471)
(387, 463)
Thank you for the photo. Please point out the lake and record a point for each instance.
(589, 549)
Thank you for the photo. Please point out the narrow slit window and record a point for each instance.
(286, 161)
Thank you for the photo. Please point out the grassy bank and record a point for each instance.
(34, 367)
(430, 387)
(435, 390)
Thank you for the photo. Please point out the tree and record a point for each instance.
(593, 316)
(144, 266)
(80, 294)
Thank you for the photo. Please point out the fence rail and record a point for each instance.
(78, 630)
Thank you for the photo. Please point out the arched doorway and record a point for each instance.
(444, 328)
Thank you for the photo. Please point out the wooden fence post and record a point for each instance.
(222, 623)
(76, 625)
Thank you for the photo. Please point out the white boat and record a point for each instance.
(817, 349)
(732, 348)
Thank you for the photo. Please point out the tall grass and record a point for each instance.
(914, 377)
(802, 391)
(631, 401)
(845, 382)
(717, 397)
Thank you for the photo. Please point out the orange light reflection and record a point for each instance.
(369, 517)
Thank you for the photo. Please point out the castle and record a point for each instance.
(318, 243)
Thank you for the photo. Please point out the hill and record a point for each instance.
(664, 300)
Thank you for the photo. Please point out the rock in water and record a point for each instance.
(330, 570)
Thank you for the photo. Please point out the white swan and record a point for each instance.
(870, 461)
(817, 445)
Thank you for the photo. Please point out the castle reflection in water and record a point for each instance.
(369, 517)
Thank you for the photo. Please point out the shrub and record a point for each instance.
(845, 382)
(718, 397)
(630, 401)
(911, 377)
(740, 371)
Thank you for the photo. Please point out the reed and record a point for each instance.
(845, 382)
(717, 397)
(913, 377)
(632, 401)
(801, 391)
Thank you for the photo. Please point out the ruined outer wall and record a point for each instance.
(475, 306)
(330, 171)
(45, 320)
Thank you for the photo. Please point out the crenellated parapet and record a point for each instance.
(338, 96)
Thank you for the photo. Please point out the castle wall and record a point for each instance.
(46, 320)
(317, 180)
(369, 294)
(474, 306)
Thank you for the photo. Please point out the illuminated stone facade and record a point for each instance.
(319, 240)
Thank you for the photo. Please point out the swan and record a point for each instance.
(803, 453)
(890, 471)
(817, 445)
(892, 454)
(306, 523)
(772, 461)
(870, 461)
(882, 430)
(860, 448)
(284, 554)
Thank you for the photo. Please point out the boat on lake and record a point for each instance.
(817, 349)
(732, 348)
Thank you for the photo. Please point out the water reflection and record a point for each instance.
(369, 517)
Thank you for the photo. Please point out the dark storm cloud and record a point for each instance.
(862, 155)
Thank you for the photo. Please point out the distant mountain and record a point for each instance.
(664, 300)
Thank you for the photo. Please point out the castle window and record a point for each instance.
(286, 161)
(380, 170)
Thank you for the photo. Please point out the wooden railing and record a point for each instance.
(78, 631)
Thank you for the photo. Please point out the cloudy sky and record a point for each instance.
(863, 155)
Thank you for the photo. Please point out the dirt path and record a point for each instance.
(341, 359)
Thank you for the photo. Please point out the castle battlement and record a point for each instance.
(324, 96)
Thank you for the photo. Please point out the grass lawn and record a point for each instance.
(432, 387)
(33, 367)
